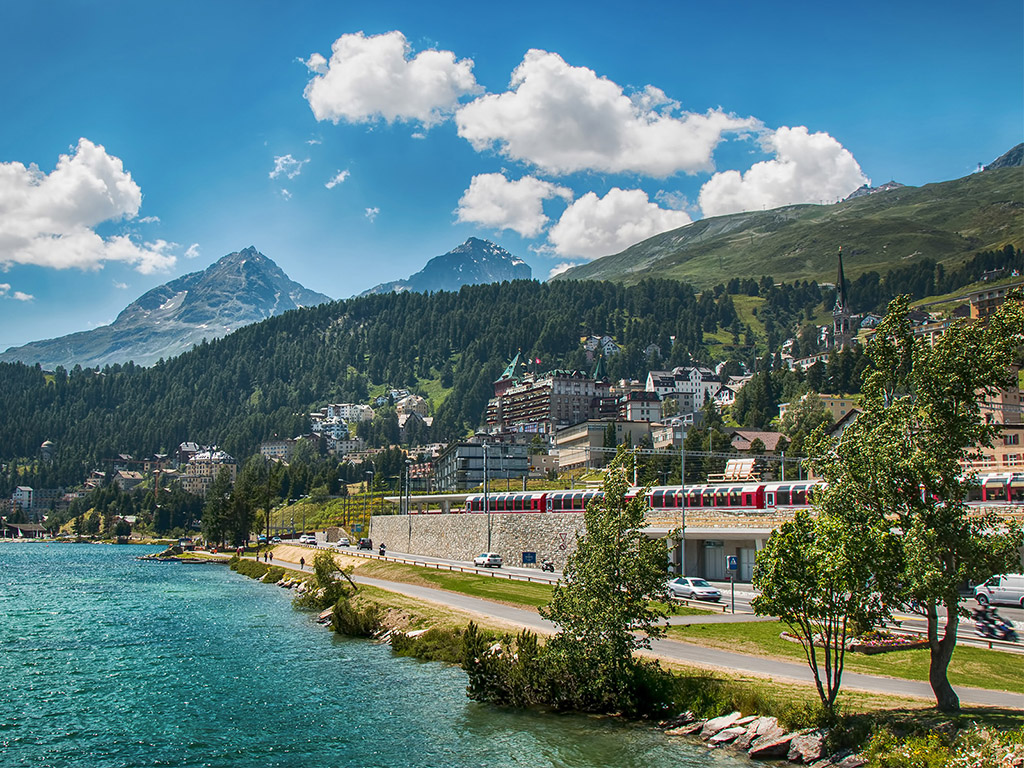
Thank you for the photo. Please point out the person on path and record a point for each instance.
(271, 556)
(302, 563)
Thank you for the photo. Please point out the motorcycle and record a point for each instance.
(547, 565)
(383, 550)
(990, 624)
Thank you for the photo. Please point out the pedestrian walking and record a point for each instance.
(302, 563)
(271, 556)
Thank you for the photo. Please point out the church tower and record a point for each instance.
(842, 333)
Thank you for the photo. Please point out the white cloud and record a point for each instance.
(558, 269)
(287, 166)
(313, 142)
(371, 213)
(337, 179)
(48, 219)
(5, 293)
(807, 168)
(593, 227)
(120, 286)
(496, 202)
(192, 251)
(149, 220)
(286, 194)
(22, 296)
(564, 119)
(373, 78)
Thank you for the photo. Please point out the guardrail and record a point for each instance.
(724, 607)
(492, 572)
(974, 639)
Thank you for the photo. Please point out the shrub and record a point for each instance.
(350, 620)
(433, 645)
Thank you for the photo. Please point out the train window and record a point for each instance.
(657, 499)
(693, 499)
(708, 499)
(735, 497)
(799, 496)
(995, 492)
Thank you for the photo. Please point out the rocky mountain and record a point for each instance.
(948, 221)
(475, 261)
(1011, 159)
(868, 190)
(239, 289)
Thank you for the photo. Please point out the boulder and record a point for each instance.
(807, 747)
(685, 718)
(727, 735)
(747, 720)
(851, 761)
(775, 743)
(686, 730)
(716, 724)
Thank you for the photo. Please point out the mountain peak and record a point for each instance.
(238, 289)
(474, 261)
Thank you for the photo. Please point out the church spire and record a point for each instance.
(842, 333)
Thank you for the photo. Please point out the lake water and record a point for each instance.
(108, 661)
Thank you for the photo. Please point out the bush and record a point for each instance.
(974, 747)
(349, 620)
(254, 569)
(433, 645)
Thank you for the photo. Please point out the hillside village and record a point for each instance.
(553, 425)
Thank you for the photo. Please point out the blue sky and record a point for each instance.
(351, 142)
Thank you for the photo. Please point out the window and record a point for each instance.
(1011, 439)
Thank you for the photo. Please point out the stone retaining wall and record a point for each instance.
(463, 537)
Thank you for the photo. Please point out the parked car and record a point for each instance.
(308, 539)
(1003, 589)
(276, 540)
(365, 544)
(693, 589)
(342, 542)
(488, 560)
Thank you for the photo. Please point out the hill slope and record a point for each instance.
(946, 221)
(240, 288)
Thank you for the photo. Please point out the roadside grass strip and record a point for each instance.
(970, 666)
(518, 593)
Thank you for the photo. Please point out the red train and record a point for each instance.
(991, 489)
(725, 496)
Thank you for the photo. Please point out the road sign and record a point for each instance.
(732, 562)
(529, 558)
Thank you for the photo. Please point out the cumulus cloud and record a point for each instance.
(5, 293)
(192, 251)
(807, 168)
(49, 219)
(337, 179)
(149, 220)
(494, 201)
(371, 213)
(373, 78)
(598, 226)
(120, 285)
(287, 166)
(558, 269)
(564, 119)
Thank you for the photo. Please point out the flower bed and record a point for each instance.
(875, 641)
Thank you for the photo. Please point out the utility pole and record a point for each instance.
(487, 501)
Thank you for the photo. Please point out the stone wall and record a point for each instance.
(463, 537)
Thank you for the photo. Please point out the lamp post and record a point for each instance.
(487, 501)
(366, 497)
(686, 498)
(408, 500)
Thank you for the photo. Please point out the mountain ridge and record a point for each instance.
(240, 288)
(473, 262)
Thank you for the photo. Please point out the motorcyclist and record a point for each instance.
(383, 548)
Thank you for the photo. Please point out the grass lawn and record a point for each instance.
(978, 667)
(519, 593)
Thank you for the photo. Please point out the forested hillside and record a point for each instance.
(264, 379)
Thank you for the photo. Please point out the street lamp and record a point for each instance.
(366, 497)
(487, 501)
(408, 500)
(686, 498)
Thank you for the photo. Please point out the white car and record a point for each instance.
(342, 543)
(307, 539)
(693, 589)
(487, 560)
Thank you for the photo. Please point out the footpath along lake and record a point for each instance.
(108, 661)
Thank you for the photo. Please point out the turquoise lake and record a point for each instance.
(109, 661)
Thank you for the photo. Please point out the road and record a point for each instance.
(693, 654)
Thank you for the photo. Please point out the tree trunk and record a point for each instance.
(941, 653)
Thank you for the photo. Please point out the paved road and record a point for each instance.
(710, 657)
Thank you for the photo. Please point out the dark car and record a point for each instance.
(365, 544)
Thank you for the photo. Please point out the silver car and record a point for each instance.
(693, 589)
(487, 560)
